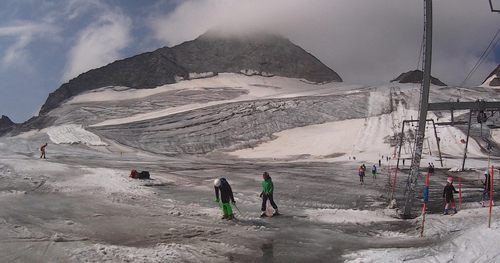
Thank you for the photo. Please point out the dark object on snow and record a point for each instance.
(142, 175)
(416, 76)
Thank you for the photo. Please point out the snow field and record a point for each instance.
(473, 241)
(347, 216)
(73, 134)
(258, 87)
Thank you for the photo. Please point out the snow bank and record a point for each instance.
(347, 216)
(470, 241)
(103, 180)
(159, 253)
(73, 134)
(201, 75)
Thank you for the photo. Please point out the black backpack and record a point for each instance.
(143, 175)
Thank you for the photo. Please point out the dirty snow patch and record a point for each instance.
(347, 216)
(159, 253)
(73, 134)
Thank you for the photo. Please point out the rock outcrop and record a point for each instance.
(416, 76)
(493, 80)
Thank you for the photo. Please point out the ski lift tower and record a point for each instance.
(424, 105)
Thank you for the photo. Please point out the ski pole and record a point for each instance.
(234, 204)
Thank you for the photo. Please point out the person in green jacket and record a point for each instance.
(267, 194)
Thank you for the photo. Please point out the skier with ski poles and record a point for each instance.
(267, 194)
(374, 171)
(226, 195)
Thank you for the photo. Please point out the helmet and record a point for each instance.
(217, 182)
(450, 180)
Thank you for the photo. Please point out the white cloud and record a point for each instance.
(364, 41)
(98, 44)
(22, 34)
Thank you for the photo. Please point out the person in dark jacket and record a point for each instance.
(42, 150)
(226, 195)
(267, 194)
(486, 189)
(448, 191)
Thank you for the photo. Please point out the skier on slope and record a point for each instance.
(374, 171)
(226, 195)
(448, 191)
(361, 173)
(267, 194)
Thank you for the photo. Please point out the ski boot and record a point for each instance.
(230, 217)
(263, 214)
(276, 213)
(445, 212)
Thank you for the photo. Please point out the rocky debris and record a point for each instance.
(264, 54)
(416, 76)
(493, 82)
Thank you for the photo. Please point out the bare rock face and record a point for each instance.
(6, 125)
(261, 54)
(416, 76)
(495, 82)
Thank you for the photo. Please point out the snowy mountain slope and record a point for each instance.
(265, 117)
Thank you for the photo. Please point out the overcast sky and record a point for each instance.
(45, 43)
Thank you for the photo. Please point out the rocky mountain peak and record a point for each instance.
(256, 53)
(416, 76)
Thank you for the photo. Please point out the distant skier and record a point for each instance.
(448, 191)
(374, 171)
(42, 150)
(226, 195)
(361, 173)
(267, 194)
(486, 189)
(379, 163)
(431, 168)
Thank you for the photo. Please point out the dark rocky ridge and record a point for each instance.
(6, 125)
(416, 76)
(263, 53)
(495, 82)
